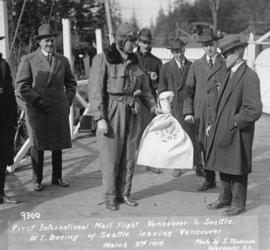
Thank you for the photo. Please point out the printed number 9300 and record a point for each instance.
(30, 215)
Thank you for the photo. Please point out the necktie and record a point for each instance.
(49, 58)
(210, 63)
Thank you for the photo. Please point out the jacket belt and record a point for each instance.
(130, 99)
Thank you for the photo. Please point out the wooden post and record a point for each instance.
(99, 40)
(4, 44)
(251, 51)
(68, 54)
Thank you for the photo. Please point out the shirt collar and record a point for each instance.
(44, 52)
(235, 67)
(180, 64)
(214, 57)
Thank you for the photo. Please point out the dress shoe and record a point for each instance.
(6, 199)
(218, 205)
(111, 205)
(37, 186)
(200, 171)
(233, 211)
(128, 201)
(60, 183)
(206, 186)
(176, 172)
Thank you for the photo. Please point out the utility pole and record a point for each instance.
(109, 20)
(4, 44)
(214, 6)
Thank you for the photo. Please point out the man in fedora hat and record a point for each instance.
(116, 84)
(229, 150)
(151, 65)
(203, 73)
(46, 84)
(8, 122)
(173, 77)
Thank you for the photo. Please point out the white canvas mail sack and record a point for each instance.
(165, 144)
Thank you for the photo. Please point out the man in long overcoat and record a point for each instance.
(229, 150)
(47, 85)
(116, 82)
(204, 71)
(8, 121)
(151, 66)
(173, 77)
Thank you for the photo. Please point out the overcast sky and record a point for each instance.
(145, 10)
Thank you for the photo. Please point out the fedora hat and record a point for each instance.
(232, 42)
(176, 43)
(208, 36)
(145, 35)
(45, 30)
(2, 37)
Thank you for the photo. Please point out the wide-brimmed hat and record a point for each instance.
(208, 36)
(2, 37)
(45, 30)
(176, 43)
(232, 42)
(145, 35)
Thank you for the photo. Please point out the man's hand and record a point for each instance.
(102, 126)
(189, 119)
(208, 130)
(41, 104)
(159, 111)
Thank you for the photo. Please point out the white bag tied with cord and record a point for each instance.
(164, 143)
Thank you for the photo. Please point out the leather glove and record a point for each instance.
(102, 126)
(189, 119)
(41, 104)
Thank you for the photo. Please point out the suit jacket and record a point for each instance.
(230, 147)
(8, 114)
(57, 86)
(197, 85)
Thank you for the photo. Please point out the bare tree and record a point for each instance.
(214, 6)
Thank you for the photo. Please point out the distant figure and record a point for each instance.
(8, 122)
(47, 85)
(116, 82)
(204, 71)
(173, 77)
(151, 65)
(229, 150)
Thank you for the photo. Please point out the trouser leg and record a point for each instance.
(37, 159)
(239, 190)
(210, 176)
(2, 178)
(128, 167)
(225, 194)
(57, 164)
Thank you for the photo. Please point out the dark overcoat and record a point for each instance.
(149, 63)
(173, 79)
(198, 79)
(230, 147)
(57, 86)
(8, 115)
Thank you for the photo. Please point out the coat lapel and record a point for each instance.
(54, 67)
(228, 87)
(216, 67)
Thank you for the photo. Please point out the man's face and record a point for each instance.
(210, 48)
(145, 46)
(231, 58)
(129, 46)
(178, 54)
(47, 44)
